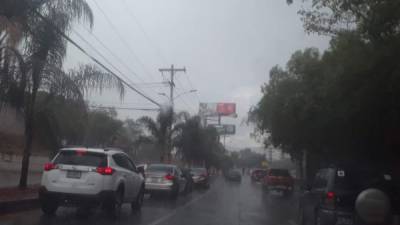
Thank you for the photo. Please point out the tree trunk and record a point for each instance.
(29, 123)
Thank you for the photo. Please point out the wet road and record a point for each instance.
(225, 203)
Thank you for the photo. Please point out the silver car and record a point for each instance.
(165, 178)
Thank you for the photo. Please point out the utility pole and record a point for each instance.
(172, 70)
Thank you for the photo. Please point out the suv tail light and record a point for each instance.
(169, 177)
(330, 200)
(105, 170)
(50, 166)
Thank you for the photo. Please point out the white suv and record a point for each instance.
(88, 177)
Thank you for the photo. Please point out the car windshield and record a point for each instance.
(359, 179)
(81, 158)
(159, 168)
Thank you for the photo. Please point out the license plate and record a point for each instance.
(74, 174)
(344, 221)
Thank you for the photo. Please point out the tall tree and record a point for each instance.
(159, 130)
(41, 23)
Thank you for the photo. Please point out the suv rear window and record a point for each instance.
(279, 173)
(360, 179)
(81, 158)
(160, 168)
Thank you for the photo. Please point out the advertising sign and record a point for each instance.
(217, 109)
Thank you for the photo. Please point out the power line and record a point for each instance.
(122, 39)
(93, 58)
(124, 108)
(120, 60)
(101, 55)
(134, 18)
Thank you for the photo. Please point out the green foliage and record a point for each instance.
(160, 131)
(198, 144)
(341, 104)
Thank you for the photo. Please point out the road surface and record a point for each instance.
(225, 203)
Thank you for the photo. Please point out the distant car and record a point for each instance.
(200, 177)
(88, 177)
(258, 174)
(234, 175)
(330, 198)
(165, 178)
(278, 180)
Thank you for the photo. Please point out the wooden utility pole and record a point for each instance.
(172, 70)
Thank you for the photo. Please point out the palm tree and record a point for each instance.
(40, 24)
(160, 131)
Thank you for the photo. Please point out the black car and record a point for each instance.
(330, 198)
(234, 175)
(200, 177)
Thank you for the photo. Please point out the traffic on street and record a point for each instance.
(202, 112)
(225, 202)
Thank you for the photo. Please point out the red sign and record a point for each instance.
(226, 109)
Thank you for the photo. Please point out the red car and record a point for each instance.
(258, 174)
(279, 180)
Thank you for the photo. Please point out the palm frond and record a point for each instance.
(90, 77)
(150, 125)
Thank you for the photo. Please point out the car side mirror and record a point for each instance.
(141, 170)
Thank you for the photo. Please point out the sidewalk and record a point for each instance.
(10, 170)
(15, 199)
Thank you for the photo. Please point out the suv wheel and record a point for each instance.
(175, 192)
(115, 204)
(49, 207)
(317, 220)
(137, 204)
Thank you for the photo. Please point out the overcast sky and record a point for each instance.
(227, 47)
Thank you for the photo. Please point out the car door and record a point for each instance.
(312, 197)
(181, 179)
(122, 161)
(137, 177)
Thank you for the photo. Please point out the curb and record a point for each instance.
(20, 205)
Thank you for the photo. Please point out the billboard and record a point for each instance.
(217, 109)
(225, 129)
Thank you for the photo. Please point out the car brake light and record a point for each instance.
(50, 166)
(169, 177)
(330, 200)
(105, 170)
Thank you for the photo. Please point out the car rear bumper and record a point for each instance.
(72, 199)
(151, 187)
(329, 217)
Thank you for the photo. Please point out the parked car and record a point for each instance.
(187, 173)
(278, 180)
(330, 198)
(201, 177)
(88, 177)
(258, 174)
(234, 175)
(165, 178)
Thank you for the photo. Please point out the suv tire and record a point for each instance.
(49, 207)
(175, 192)
(114, 205)
(137, 204)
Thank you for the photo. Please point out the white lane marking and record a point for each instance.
(292, 222)
(175, 211)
